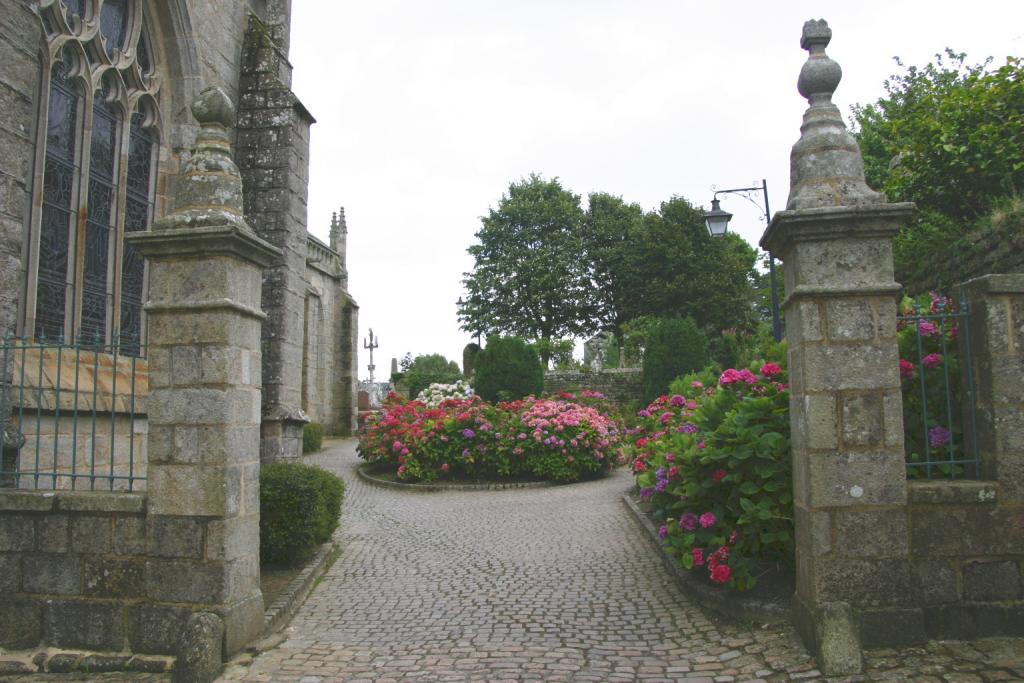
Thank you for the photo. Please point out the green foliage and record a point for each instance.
(714, 461)
(949, 137)
(428, 369)
(664, 264)
(675, 347)
(528, 278)
(299, 510)
(609, 243)
(312, 437)
(508, 369)
(557, 351)
(739, 348)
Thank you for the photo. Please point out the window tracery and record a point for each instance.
(96, 172)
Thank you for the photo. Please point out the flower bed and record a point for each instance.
(466, 439)
(713, 463)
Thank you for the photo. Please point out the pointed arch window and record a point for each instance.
(95, 173)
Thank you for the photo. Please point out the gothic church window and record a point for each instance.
(95, 173)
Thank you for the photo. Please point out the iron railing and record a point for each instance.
(939, 399)
(73, 413)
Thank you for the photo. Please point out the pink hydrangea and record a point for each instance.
(770, 370)
(927, 329)
(677, 401)
(707, 520)
(932, 360)
(731, 376)
(698, 557)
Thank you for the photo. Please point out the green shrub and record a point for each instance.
(427, 369)
(675, 346)
(714, 462)
(299, 509)
(508, 369)
(312, 437)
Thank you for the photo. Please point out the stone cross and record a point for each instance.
(373, 344)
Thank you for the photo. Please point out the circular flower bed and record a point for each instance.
(467, 439)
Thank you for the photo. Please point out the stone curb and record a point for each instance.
(433, 488)
(732, 605)
(287, 603)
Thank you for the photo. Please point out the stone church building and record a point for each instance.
(94, 128)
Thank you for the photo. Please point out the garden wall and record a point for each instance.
(75, 573)
(621, 385)
(999, 251)
(967, 550)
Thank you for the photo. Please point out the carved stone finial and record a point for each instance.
(826, 167)
(214, 107)
(209, 191)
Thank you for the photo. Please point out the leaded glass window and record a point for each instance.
(96, 178)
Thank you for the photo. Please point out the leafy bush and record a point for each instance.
(508, 369)
(675, 346)
(312, 437)
(554, 439)
(299, 509)
(929, 361)
(427, 369)
(714, 462)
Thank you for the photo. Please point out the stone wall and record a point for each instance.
(999, 249)
(329, 378)
(75, 570)
(619, 385)
(967, 550)
(273, 156)
(19, 55)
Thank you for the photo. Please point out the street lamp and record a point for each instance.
(461, 303)
(717, 221)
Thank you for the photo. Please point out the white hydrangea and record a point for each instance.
(437, 393)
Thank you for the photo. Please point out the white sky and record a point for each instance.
(426, 111)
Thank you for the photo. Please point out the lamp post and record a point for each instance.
(461, 303)
(717, 221)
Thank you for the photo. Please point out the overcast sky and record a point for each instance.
(427, 109)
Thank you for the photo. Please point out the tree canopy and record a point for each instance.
(950, 137)
(528, 277)
(545, 269)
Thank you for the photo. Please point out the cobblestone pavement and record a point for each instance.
(554, 584)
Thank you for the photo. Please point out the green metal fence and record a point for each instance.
(74, 414)
(938, 382)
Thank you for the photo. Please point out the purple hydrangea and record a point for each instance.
(938, 437)
(688, 522)
(468, 433)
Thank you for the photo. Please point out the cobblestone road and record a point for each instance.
(553, 584)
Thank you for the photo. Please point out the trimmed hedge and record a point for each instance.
(299, 509)
(508, 369)
(675, 347)
(312, 437)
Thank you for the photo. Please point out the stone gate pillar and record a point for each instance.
(849, 475)
(205, 268)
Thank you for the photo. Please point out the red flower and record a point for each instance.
(906, 369)
(721, 573)
(718, 475)
(444, 467)
(698, 557)
(769, 370)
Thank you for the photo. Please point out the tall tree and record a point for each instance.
(529, 278)
(611, 231)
